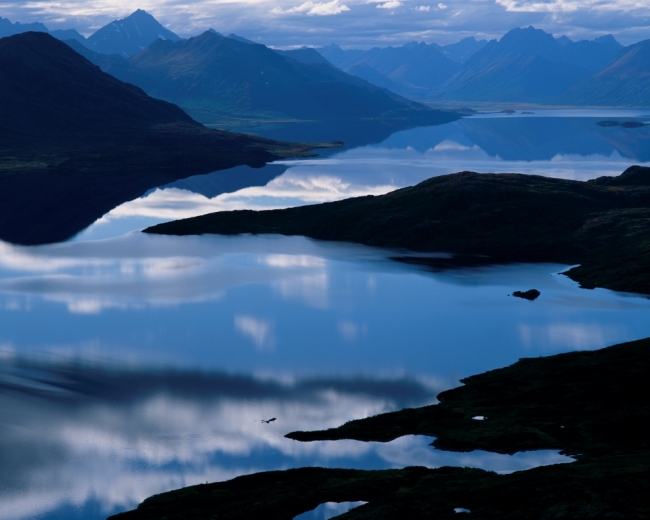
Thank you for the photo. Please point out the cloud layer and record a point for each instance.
(352, 23)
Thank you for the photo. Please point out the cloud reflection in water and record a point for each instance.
(114, 435)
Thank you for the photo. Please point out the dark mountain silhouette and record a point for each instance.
(129, 35)
(528, 65)
(625, 82)
(215, 78)
(77, 142)
(49, 90)
(7, 28)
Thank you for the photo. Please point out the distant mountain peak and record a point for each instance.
(527, 33)
(564, 40)
(608, 39)
(129, 35)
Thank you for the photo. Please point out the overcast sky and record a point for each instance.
(352, 23)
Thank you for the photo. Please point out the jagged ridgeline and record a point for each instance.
(217, 79)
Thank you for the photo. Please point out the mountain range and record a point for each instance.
(624, 82)
(216, 78)
(125, 37)
(526, 65)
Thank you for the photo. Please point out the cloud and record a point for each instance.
(315, 9)
(553, 6)
(260, 331)
(294, 23)
(391, 4)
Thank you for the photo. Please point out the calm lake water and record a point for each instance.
(131, 364)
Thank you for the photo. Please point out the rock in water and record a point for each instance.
(531, 294)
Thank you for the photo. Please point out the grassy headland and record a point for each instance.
(602, 224)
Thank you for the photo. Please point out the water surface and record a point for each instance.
(131, 364)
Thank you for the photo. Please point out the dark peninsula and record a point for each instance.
(602, 224)
(591, 405)
(76, 142)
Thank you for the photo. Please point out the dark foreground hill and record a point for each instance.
(603, 224)
(591, 405)
(75, 142)
(215, 78)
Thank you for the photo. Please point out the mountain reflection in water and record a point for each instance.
(566, 144)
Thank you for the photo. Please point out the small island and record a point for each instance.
(531, 294)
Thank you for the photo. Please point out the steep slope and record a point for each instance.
(213, 78)
(527, 65)
(625, 82)
(48, 89)
(129, 35)
(594, 55)
(514, 78)
(303, 55)
(339, 57)
(412, 65)
(463, 50)
(413, 69)
(365, 71)
(75, 141)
